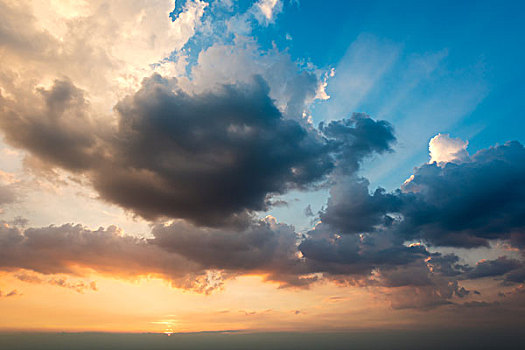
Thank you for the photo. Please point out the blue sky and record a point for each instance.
(481, 42)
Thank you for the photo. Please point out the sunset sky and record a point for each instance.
(270, 165)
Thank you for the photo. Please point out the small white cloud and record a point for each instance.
(269, 8)
(444, 149)
(323, 83)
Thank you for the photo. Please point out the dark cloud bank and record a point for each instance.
(212, 160)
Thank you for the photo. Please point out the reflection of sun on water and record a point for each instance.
(168, 331)
(169, 324)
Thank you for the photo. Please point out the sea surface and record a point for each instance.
(391, 340)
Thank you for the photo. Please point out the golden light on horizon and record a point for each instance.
(151, 305)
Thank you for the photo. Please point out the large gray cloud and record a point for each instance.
(190, 257)
(509, 270)
(465, 204)
(350, 207)
(71, 249)
(58, 249)
(54, 125)
(264, 247)
(491, 268)
(356, 254)
(207, 157)
(212, 158)
(199, 259)
(263, 244)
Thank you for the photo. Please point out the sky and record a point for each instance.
(262, 166)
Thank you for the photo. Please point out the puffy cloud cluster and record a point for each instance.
(265, 247)
(444, 149)
(465, 203)
(357, 138)
(368, 249)
(269, 8)
(512, 270)
(106, 47)
(293, 87)
(188, 256)
(211, 158)
(75, 250)
(207, 157)
(53, 124)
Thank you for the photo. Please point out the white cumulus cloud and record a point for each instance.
(445, 149)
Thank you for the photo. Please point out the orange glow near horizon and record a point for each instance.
(151, 305)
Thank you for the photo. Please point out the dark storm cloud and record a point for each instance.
(328, 252)
(460, 205)
(509, 270)
(357, 138)
(416, 278)
(516, 276)
(447, 265)
(185, 255)
(211, 158)
(343, 243)
(208, 157)
(264, 244)
(470, 203)
(424, 283)
(352, 209)
(493, 268)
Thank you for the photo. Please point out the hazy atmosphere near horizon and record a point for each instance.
(262, 174)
